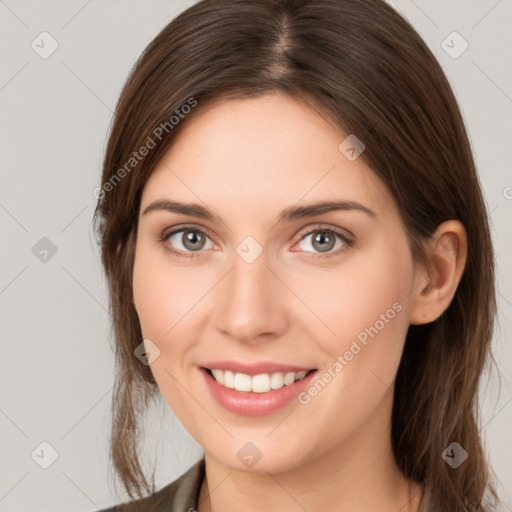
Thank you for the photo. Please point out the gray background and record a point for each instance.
(56, 364)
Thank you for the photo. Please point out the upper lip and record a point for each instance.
(254, 368)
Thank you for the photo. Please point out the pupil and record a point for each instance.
(191, 238)
(322, 237)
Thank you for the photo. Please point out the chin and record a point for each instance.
(259, 457)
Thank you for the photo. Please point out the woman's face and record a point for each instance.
(266, 285)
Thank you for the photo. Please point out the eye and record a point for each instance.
(327, 241)
(189, 240)
(186, 241)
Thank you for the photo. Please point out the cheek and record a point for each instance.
(374, 297)
(164, 293)
(163, 296)
(365, 306)
(152, 297)
(169, 300)
(365, 301)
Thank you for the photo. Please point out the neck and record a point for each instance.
(358, 474)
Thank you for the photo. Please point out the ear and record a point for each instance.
(436, 286)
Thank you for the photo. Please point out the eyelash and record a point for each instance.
(348, 243)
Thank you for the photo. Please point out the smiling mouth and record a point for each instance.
(261, 383)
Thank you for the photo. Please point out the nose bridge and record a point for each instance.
(249, 305)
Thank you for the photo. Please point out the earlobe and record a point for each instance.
(435, 289)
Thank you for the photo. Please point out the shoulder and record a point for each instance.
(181, 495)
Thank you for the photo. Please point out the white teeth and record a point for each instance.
(289, 378)
(277, 380)
(219, 376)
(229, 378)
(242, 382)
(261, 383)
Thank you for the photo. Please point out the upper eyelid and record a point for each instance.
(320, 226)
(166, 233)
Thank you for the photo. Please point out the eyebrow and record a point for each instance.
(287, 215)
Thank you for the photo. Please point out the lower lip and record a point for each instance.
(254, 404)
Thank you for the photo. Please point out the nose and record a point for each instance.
(250, 302)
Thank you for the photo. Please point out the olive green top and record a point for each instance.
(182, 495)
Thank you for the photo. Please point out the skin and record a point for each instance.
(247, 160)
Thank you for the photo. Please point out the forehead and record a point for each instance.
(262, 153)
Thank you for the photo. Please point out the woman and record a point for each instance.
(299, 261)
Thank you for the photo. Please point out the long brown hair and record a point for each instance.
(365, 68)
